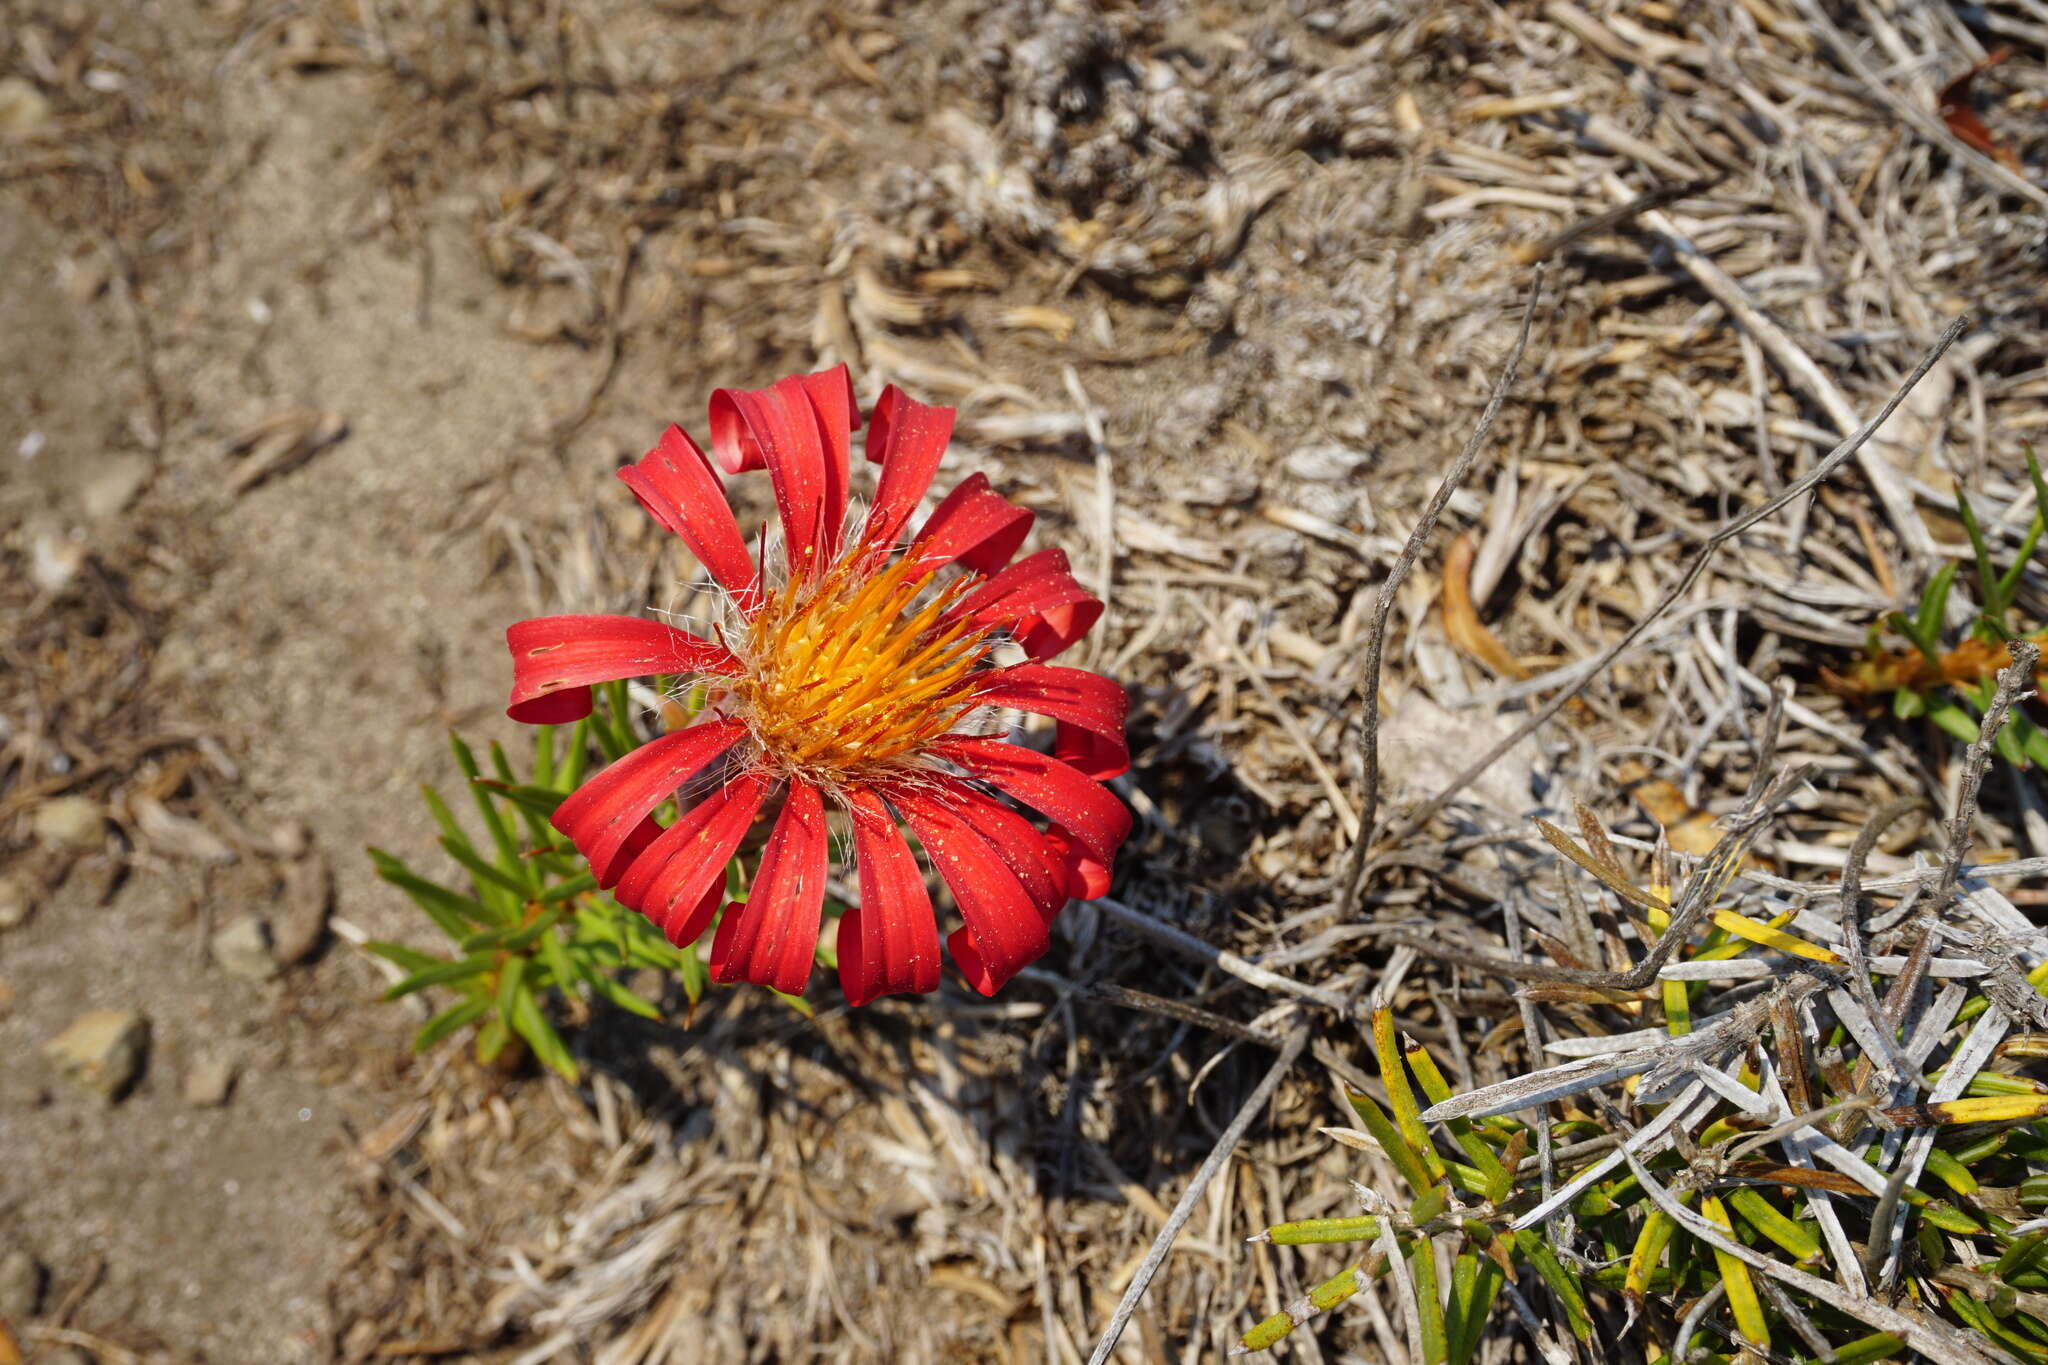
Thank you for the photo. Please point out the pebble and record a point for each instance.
(208, 1082)
(103, 1051)
(302, 915)
(16, 904)
(69, 822)
(1325, 463)
(23, 108)
(241, 947)
(106, 492)
(21, 1286)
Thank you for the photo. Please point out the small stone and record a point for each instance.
(1325, 463)
(54, 559)
(241, 947)
(23, 108)
(103, 1051)
(208, 1082)
(291, 839)
(69, 822)
(21, 1286)
(16, 904)
(106, 492)
(302, 916)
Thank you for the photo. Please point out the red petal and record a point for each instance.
(804, 447)
(907, 439)
(1054, 789)
(556, 658)
(774, 934)
(1005, 928)
(675, 484)
(889, 944)
(974, 526)
(1089, 707)
(680, 879)
(1021, 847)
(1087, 875)
(606, 817)
(1039, 600)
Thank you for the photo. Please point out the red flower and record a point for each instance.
(864, 683)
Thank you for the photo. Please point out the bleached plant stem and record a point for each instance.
(1183, 1210)
(1376, 638)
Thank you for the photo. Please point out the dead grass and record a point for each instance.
(1220, 296)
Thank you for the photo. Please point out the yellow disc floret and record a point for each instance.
(853, 672)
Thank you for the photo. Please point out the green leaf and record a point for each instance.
(1475, 1283)
(1400, 1098)
(1429, 1304)
(618, 995)
(511, 986)
(1926, 627)
(1989, 585)
(453, 913)
(1319, 1231)
(490, 876)
(540, 1035)
(535, 800)
(441, 974)
(450, 828)
(487, 806)
(1538, 1253)
(514, 938)
(544, 756)
(412, 959)
(1750, 1205)
(569, 890)
(492, 1038)
(449, 1020)
(1955, 720)
(1382, 1130)
(569, 776)
(1909, 703)
(695, 977)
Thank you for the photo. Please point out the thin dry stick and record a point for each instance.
(1220, 958)
(1734, 527)
(1376, 640)
(1182, 1211)
(2012, 684)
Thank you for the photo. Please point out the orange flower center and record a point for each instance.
(851, 671)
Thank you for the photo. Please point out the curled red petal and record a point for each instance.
(1021, 847)
(1006, 930)
(804, 448)
(556, 658)
(889, 944)
(1040, 601)
(973, 526)
(774, 934)
(1087, 875)
(1089, 707)
(676, 485)
(680, 878)
(607, 817)
(907, 439)
(1056, 790)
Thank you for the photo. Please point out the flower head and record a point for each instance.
(865, 686)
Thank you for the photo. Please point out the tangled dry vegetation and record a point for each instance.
(1222, 294)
